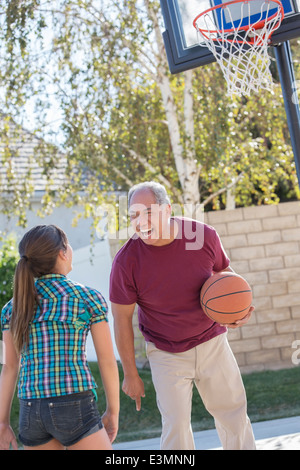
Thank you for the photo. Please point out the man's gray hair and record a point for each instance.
(157, 189)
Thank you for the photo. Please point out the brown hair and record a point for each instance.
(38, 250)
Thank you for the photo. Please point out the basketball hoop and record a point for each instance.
(240, 46)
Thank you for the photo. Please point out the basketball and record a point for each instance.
(226, 297)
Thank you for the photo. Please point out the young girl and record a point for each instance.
(46, 325)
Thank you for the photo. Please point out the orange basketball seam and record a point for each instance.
(226, 313)
(210, 316)
(225, 295)
(217, 280)
(230, 293)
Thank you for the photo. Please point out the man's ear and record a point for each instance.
(169, 210)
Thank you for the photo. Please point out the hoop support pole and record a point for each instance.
(289, 90)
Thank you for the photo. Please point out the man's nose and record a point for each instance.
(143, 221)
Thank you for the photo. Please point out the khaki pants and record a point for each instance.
(212, 367)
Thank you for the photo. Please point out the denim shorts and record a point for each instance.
(68, 419)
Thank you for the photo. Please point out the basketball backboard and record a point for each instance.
(180, 36)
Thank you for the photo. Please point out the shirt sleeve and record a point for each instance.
(122, 288)
(6, 316)
(96, 306)
(221, 259)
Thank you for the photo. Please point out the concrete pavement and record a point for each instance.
(278, 434)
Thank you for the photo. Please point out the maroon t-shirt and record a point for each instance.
(165, 282)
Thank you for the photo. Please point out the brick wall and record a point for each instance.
(263, 244)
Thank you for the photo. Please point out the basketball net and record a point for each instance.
(241, 49)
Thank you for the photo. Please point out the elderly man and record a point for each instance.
(161, 269)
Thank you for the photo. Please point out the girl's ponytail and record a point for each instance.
(24, 299)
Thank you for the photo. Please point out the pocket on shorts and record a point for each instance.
(66, 416)
(24, 418)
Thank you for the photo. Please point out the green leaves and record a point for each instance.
(243, 136)
(89, 74)
(8, 260)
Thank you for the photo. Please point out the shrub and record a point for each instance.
(8, 260)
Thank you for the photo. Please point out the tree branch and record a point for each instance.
(149, 167)
(222, 190)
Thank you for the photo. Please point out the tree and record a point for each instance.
(124, 118)
(248, 144)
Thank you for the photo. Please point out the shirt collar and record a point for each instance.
(51, 277)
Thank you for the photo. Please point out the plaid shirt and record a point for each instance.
(54, 363)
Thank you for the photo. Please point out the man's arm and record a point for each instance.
(133, 385)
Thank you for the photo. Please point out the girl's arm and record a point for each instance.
(109, 375)
(8, 380)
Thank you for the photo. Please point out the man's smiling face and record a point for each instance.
(150, 220)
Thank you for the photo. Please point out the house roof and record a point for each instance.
(25, 157)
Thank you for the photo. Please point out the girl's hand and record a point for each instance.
(7, 438)
(111, 425)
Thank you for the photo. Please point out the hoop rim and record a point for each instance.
(256, 25)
